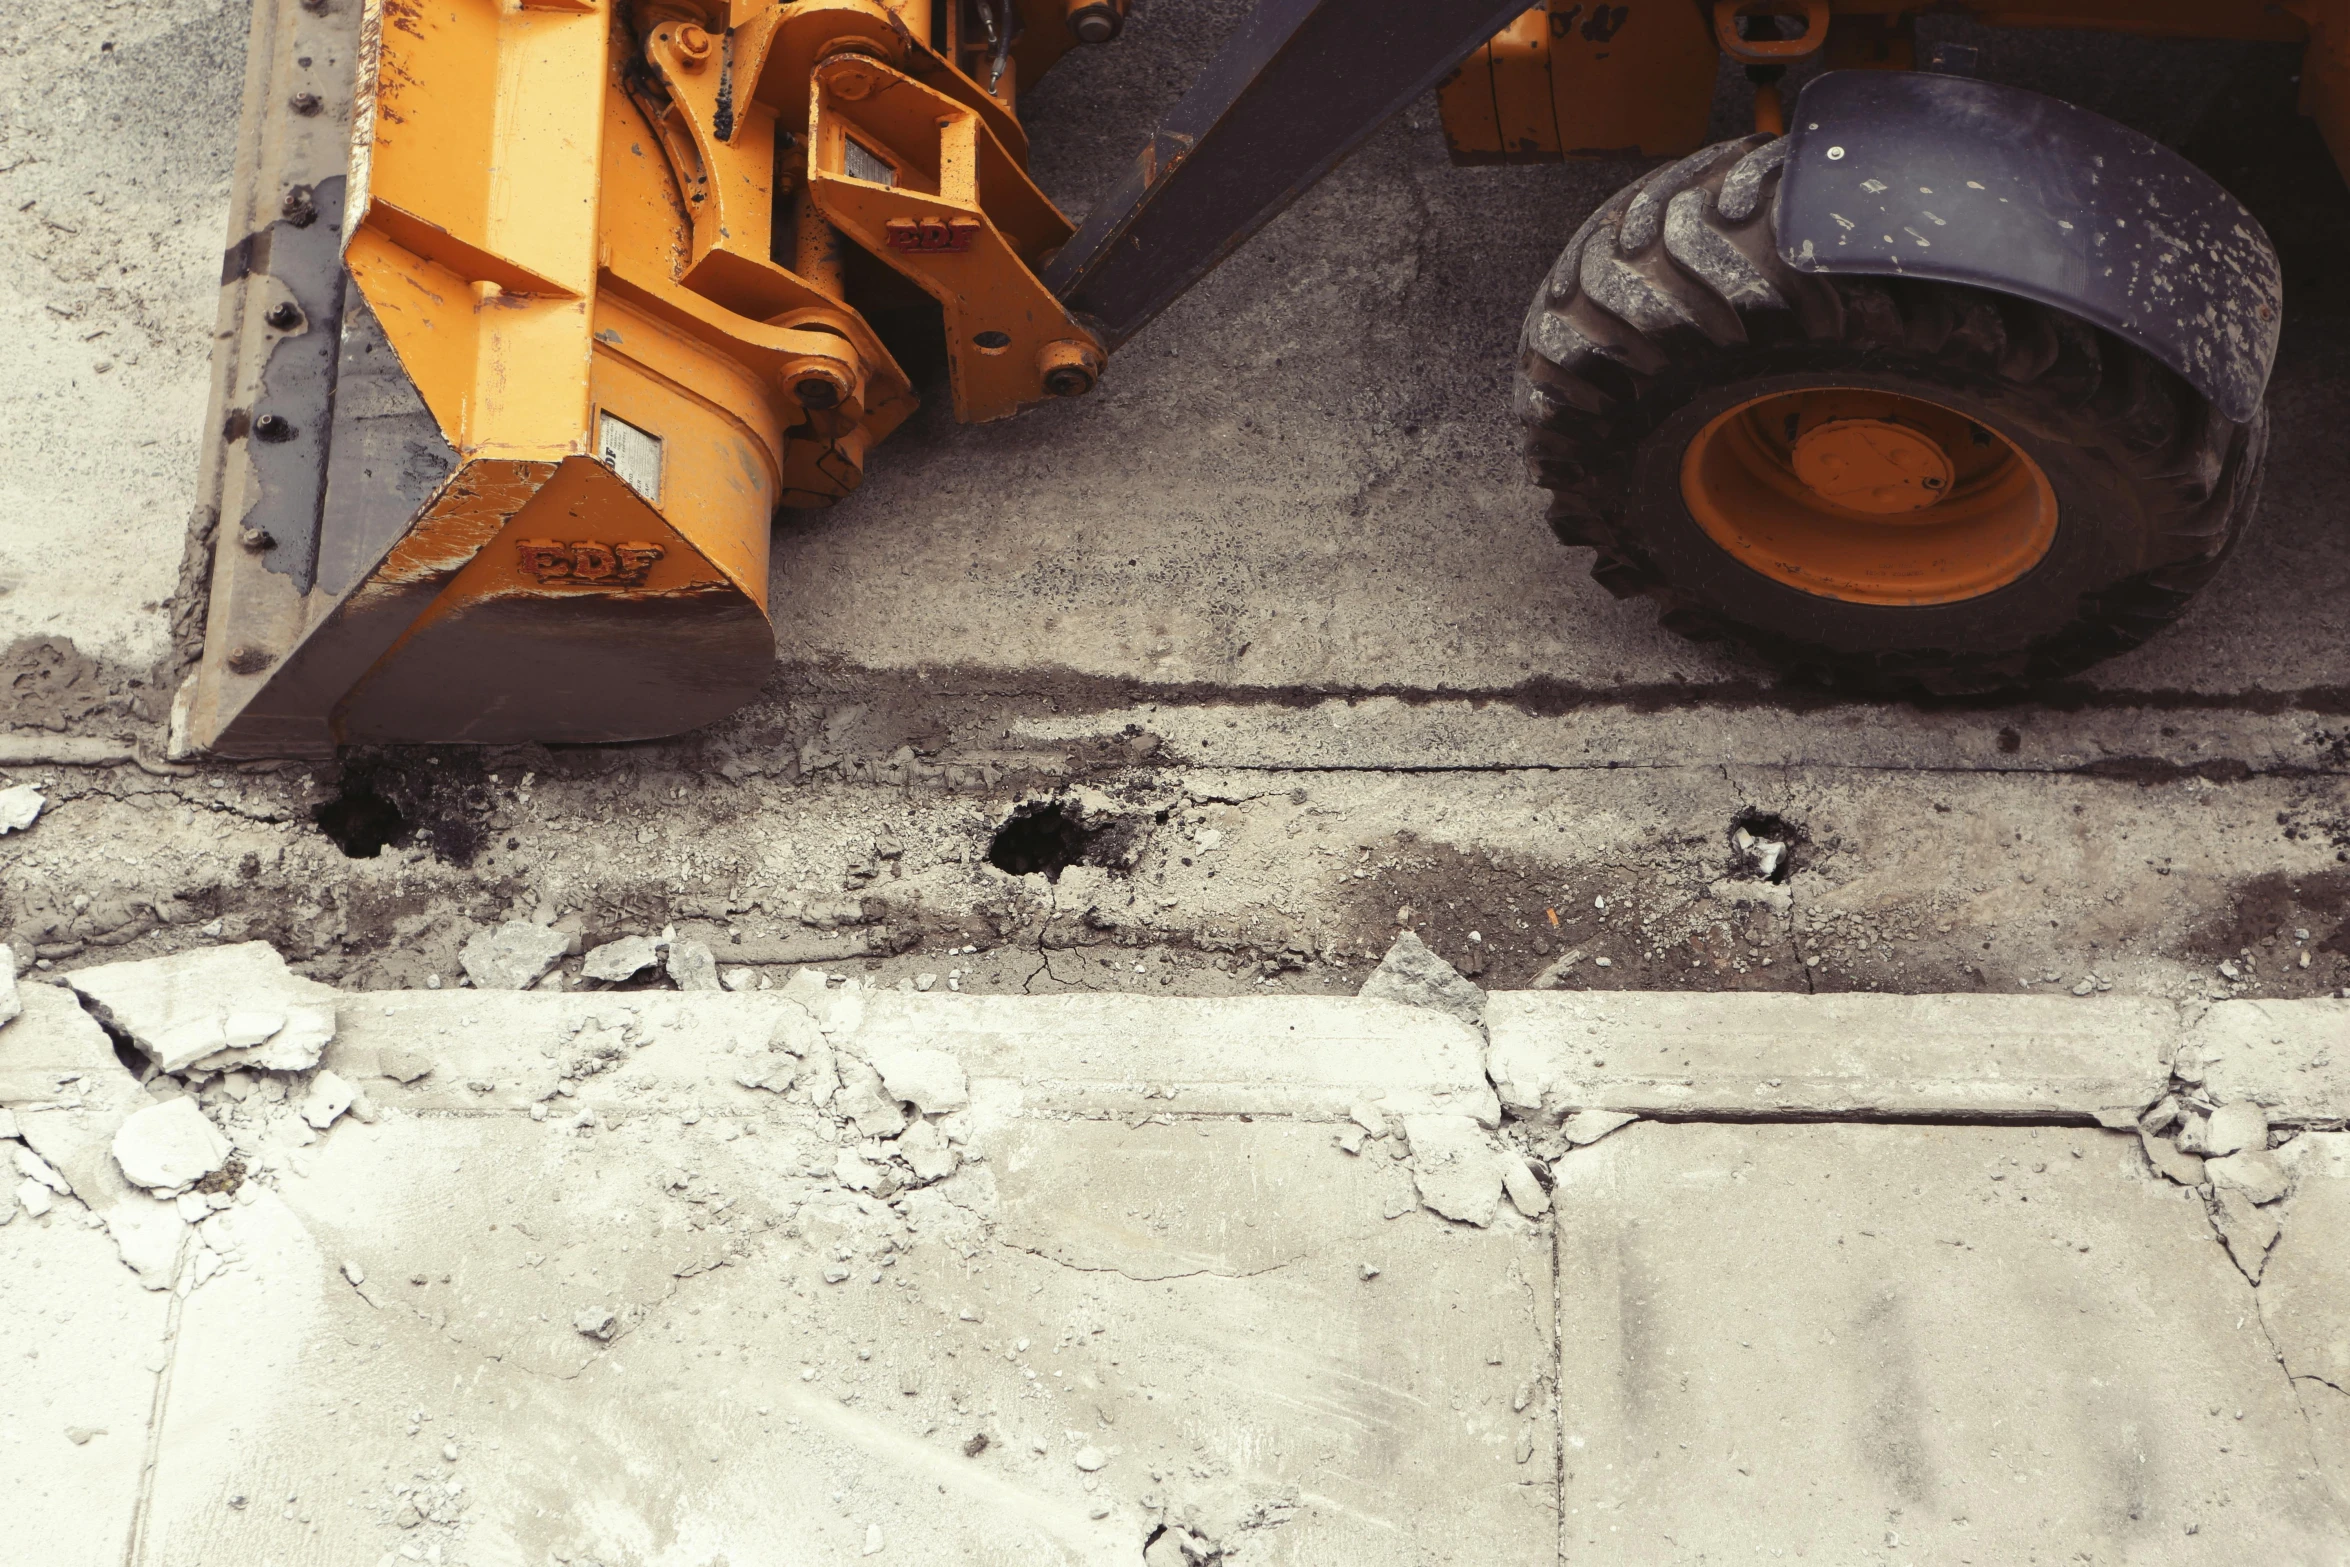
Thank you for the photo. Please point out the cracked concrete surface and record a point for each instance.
(1278, 602)
(591, 1283)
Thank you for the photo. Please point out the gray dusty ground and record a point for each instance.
(1280, 583)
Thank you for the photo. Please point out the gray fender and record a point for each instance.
(1906, 174)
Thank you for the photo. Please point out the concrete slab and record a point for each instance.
(673, 1334)
(2305, 1293)
(2291, 1057)
(1864, 1343)
(1293, 1055)
(1979, 1057)
(77, 1383)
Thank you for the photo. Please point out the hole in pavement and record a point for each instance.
(1042, 835)
(360, 821)
(438, 796)
(1052, 835)
(1762, 846)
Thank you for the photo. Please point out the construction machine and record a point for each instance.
(536, 311)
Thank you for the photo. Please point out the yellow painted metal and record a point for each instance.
(1637, 77)
(592, 238)
(1869, 497)
(899, 168)
(479, 161)
(1569, 79)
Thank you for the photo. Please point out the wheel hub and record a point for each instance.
(1873, 466)
(1869, 497)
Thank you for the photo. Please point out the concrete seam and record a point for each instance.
(142, 1510)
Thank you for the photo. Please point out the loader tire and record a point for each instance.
(1882, 485)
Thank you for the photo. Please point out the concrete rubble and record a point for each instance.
(20, 807)
(213, 1009)
(692, 966)
(510, 1185)
(623, 959)
(514, 955)
(1413, 976)
(2292, 1058)
(168, 1147)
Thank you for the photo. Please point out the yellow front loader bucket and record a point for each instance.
(537, 313)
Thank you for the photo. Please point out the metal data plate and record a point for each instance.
(1908, 174)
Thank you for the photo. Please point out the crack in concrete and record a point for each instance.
(2277, 1352)
(143, 1507)
(1155, 1278)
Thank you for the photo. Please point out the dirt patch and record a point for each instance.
(1504, 920)
(51, 684)
(2269, 922)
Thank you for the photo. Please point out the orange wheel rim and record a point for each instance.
(1869, 497)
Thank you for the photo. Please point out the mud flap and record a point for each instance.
(1906, 174)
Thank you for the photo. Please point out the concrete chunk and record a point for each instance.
(875, 1113)
(931, 1081)
(10, 1006)
(168, 1146)
(693, 966)
(2257, 1173)
(2169, 1161)
(1688, 1053)
(1414, 976)
(514, 956)
(20, 807)
(2292, 1057)
(1455, 1165)
(1526, 1193)
(55, 1052)
(926, 1152)
(214, 1008)
(2234, 1128)
(623, 959)
(329, 1096)
(1589, 1126)
(33, 1167)
(34, 1197)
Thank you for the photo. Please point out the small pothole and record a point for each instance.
(1046, 837)
(436, 796)
(1762, 846)
(360, 822)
